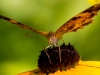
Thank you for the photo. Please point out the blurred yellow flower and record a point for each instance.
(93, 1)
(82, 68)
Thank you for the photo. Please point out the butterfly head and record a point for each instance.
(52, 38)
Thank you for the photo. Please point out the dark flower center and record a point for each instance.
(69, 58)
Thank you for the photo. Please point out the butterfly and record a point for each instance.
(77, 22)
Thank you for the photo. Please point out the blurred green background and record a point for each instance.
(19, 53)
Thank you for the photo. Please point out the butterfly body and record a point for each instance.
(52, 38)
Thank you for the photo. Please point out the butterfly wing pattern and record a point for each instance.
(22, 25)
(78, 21)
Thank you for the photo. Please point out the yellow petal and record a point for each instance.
(82, 68)
(90, 63)
(93, 1)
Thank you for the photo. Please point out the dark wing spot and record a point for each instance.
(71, 27)
(75, 18)
(5, 18)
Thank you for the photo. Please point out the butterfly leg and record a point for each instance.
(47, 55)
(63, 40)
(59, 51)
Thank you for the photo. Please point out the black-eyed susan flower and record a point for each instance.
(70, 64)
(63, 60)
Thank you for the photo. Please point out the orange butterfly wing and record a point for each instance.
(22, 25)
(78, 21)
